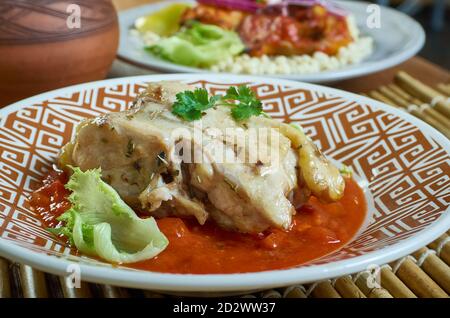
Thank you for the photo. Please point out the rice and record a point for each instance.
(353, 53)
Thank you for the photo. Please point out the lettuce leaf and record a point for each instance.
(199, 45)
(100, 223)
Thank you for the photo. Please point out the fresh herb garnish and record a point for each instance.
(190, 105)
(248, 104)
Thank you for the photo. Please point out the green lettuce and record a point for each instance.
(200, 45)
(100, 223)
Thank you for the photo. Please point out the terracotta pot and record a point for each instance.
(43, 47)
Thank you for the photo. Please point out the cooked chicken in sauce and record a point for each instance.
(142, 153)
(301, 30)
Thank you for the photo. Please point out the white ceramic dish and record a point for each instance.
(402, 162)
(398, 38)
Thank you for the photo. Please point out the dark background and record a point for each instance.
(437, 44)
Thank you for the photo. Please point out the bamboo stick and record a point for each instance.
(376, 95)
(271, 293)
(392, 100)
(14, 277)
(426, 108)
(418, 281)
(398, 90)
(53, 286)
(415, 110)
(397, 99)
(362, 280)
(380, 293)
(444, 252)
(418, 112)
(324, 289)
(347, 288)
(108, 291)
(5, 283)
(434, 267)
(444, 88)
(394, 285)
(423, 92)
(32, 282)
(296, 291)
(152, 294)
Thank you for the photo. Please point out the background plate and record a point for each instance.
(398, 39)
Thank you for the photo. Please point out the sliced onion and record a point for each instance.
(254, 5)
(243, 5)
(331, 6)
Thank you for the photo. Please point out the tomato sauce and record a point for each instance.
(51, 200)
(318, 229)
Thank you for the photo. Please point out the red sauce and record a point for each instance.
(50, 201)
(318, 229)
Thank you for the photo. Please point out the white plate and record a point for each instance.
(399, 38)
(401, 161)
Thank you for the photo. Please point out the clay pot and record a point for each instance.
(43, 44)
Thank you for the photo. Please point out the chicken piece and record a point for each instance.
(320, 176)
(224, 18)
(158, 165)
(304, 31)
(270, 31)
(132, 152)
(243, 192)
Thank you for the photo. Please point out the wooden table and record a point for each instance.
(417, 67)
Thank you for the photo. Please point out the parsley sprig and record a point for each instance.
(191, 105)
(247, 103)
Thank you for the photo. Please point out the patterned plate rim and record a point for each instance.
(228, 282)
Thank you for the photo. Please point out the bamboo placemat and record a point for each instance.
(425, 273)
